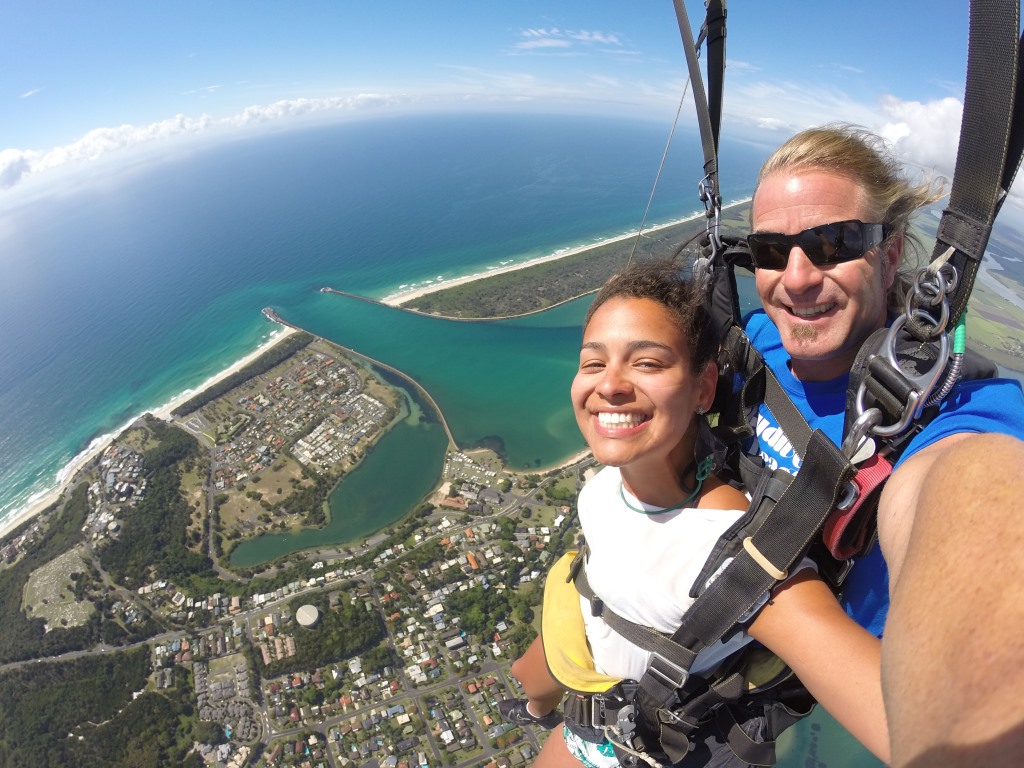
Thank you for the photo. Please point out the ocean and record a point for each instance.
(118, 295)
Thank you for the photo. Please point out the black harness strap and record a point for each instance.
(713, 31)
(991, 145)
(782, 536)
(642, 636)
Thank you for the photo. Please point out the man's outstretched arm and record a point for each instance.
(951, 527)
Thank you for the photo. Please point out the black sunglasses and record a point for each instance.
(825, 244)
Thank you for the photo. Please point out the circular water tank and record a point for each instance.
(307, 615)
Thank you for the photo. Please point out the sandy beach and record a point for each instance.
(400, 298)
(568, 462)
(68, 474)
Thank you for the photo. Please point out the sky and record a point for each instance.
(81, 81)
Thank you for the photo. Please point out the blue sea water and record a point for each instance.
(117, 296)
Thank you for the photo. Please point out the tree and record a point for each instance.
(209, 733)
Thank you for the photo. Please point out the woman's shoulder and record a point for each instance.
(719, 495)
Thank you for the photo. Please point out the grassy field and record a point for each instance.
(49, 593)
(274, 485)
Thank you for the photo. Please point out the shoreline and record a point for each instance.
(66, 476)
(399, 298)
(570, 461)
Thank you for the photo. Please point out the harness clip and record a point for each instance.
(921, 385)
(666, 676)
(858, 437)
(625, 721)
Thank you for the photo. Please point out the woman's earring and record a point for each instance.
(700, 410)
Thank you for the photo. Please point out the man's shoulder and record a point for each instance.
(763, 335)
(975, 406)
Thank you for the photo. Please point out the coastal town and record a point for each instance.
(393, 650)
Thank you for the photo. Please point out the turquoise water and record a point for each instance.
(492, 380)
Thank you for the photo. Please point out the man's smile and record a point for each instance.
(817, 309)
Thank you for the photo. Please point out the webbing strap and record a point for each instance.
(639, 635)
(793, 423)
(991, 145)
(846, 530)
(708, 132)
(782, 536)
(713, 31)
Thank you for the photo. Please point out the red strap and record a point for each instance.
(846, 531)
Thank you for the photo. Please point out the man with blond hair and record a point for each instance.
(944, 587)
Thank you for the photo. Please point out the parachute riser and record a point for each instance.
(708, 104)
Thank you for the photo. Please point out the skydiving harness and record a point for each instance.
(826, 511)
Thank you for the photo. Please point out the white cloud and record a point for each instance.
(547, 39)
(16, 164)
(29, 94)
(102, 141)
(204, 89)
(595, 37)
(924, 133)
(734, 66)
(528, 45)
(928, 135)
(789, 106)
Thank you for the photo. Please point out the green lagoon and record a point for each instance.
(506, 382)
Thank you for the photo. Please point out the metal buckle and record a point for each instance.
(626, 723)
(923, 384)
(599, 706)
(595, 710)
(844, 570)
(713, 212)
(850, 495)
(684, 674)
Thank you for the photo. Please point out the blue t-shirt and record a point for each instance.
(988, 405)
